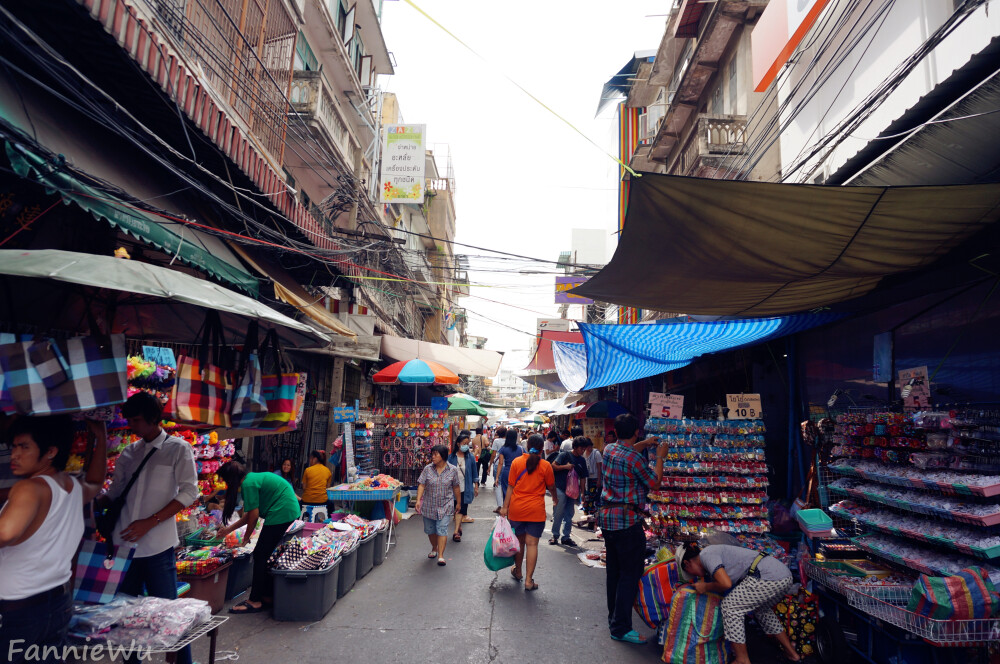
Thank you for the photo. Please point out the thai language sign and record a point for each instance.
(670, 406)
(403, 159)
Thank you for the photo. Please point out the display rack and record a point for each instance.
(714, 477)
(401, 439)
(925, 501)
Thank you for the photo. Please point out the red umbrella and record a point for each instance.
(415, 372)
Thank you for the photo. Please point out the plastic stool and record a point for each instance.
(314, 513)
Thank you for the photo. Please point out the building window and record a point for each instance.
(716, 106)
(733, 86)
(305, 59)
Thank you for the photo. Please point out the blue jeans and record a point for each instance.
(157, 574)
(563, 514)
(43, 624)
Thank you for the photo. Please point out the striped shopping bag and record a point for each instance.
(278, 388)
(656, 588)
(202, 388)
(963, 596)
(97, 575)
(249, 407)
(694, 629)
(49, 376)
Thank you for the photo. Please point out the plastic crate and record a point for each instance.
(366, 555)
(240, 576)
(197, 539)
(210, 587)
(348, 571)
(305, 596)
(814, 520)
(381, 540)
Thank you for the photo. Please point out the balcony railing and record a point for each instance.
(312, 99)
(714, 139)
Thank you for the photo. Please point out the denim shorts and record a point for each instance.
(437, 526)
(533, 528)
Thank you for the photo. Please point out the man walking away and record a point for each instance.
(481, 446)
(562, 512)
(627, 481)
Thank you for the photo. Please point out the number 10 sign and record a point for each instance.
(743, 406)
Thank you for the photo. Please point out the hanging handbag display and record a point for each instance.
(99, 571)
(48, 376)
(203, 390)
(278, 388)
(249, 407)
(107, 511)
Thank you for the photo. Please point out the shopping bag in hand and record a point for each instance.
(495, 563)
(504, 542)
(572, 485)
(694, 629)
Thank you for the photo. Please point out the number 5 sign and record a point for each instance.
(743, 406)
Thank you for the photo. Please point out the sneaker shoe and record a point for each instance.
(631, 637)
(567, 541)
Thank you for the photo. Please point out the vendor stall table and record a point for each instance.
(349, 497)
(209, 628)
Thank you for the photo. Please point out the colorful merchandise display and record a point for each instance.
(715, 477)
(400, 439)
(144, 622)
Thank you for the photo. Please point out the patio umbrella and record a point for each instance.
(472, 408)
(463, 395)
(604, 409)
(536, 419)
(415, 372)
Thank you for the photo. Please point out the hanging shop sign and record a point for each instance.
(914, 387)
(161, 356)
(343, 414)
(563, 287)
(403, 159)
(670, 406)
(744, 406)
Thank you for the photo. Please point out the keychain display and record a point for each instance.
(401, 438)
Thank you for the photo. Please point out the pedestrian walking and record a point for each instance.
(464, 460)
(552, 440)
(592, 494)
(265, 496)
(509, 451)
(753, 583)
(41, 526)
(627, 481)
(530, 477)
(481, 446)
(439, 490)
(565, 506)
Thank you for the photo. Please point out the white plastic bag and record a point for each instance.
(504, 542)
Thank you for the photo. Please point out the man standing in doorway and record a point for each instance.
(627, 481)
(166, 484)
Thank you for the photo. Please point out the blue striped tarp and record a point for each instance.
(612, 354)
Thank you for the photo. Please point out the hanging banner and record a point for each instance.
(403, 158)
(743, 406)
(563, 286)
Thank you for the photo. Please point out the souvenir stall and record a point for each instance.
(912, 501)
(597, 419)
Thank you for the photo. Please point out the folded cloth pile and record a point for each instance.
(363, 526)
(143, 622)
(315, 552)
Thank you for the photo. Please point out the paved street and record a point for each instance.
(409, 609)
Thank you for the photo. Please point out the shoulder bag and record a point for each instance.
(107, 518)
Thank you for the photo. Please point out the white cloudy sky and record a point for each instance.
(524, 179)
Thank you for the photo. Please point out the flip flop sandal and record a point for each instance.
(530, 586)
(517, 578)
(456, 538)
(553, 541)
(247, 608)
(441, 562)
(432, 554)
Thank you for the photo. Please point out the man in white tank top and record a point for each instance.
(40, 529)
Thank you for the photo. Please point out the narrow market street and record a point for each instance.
(410, 610)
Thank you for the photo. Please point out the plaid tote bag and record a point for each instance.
(49, 376)
(249, 406)
(202, 388)
(97, 575)
(278, 388)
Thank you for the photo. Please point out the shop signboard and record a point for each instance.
(594, 428)
(553, 324)
(670, 406)
(403, 160)
(343, 414)
(914, 387)
(161, 356)
(744, 406)
(564, 285)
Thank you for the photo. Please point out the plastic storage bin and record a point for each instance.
(210, 587)
(305, 596)
(348, 571)
(381, 539)
(366, 554)
(240, 576)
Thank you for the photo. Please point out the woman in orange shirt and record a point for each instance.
(530, 477)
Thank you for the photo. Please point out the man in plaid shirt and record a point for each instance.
(627, 481)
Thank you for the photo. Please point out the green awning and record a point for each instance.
(184, 244)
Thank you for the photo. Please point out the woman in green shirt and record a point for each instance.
(265, 496)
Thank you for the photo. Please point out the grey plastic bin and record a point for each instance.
(305, 596)
(348, 571)
(366, 555)
(381, 539)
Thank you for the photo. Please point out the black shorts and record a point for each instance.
(533, 528)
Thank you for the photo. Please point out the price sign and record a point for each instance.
(743, 406)
(344, 414)
(670, 406)
(161, 356)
